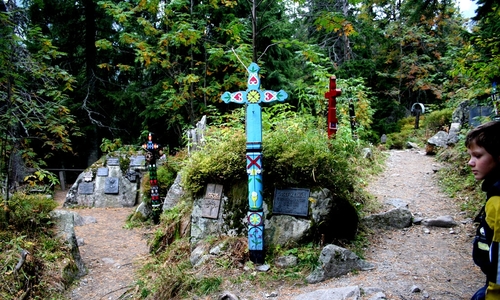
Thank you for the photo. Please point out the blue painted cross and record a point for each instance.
(252, 97)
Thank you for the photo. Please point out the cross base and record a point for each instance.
(257, 256)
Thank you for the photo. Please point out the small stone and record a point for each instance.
(415, 289)
(262, 268)
(271, 295)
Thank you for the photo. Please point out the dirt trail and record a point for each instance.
(437, 260)
(111, 253)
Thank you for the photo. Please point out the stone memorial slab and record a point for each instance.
(86, 188)
(111, 185)
(138, 161)
(113, 161)
(211, 203)
(293, 202)
(87, 176)
(103, 172)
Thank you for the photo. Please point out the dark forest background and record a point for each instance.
(77, 76)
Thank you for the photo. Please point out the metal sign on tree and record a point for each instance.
(252, 97)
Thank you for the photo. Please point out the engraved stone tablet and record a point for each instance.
(111, 185)
(138, 161)
(102, 172)
(113, 161)
(211, 203)
(86, 188)
(293, 202)
(87, 176)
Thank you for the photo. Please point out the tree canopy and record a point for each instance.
(73, 73)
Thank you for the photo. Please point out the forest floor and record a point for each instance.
(436, 260)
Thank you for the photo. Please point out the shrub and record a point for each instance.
(27, 212)
(438, 120)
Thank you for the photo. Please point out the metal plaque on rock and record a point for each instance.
(111, 185)
(86, 188)
(293, 202)
(102, 172)
(113, 161)
(138, 161)
(211, 203)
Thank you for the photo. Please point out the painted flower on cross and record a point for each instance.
(253, 96)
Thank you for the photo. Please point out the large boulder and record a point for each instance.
(65, 230)
(335, 261)
(105, 185)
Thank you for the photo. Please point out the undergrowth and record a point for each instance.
(25, 225)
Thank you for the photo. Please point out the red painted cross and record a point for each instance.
(253, 162)
(331, 95)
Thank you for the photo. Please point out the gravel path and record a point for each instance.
(437, 260)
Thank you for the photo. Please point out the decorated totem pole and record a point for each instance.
(152, 148)
(252, 97)
(331, 95)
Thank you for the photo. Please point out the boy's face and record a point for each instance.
(481, 162)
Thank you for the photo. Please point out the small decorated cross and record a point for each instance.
(153, 178)
(331, 95)
(252, 97)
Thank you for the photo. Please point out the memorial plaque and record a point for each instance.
(86, 188)
(87, 176)
(111, 185)
(211, 203)
(113, 161)
(478, 112)
(102, 172)
(138, 161)
(293, 202)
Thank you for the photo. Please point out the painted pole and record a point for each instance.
(331, 95)
(153, 178)
(252, 97)
(352, 119)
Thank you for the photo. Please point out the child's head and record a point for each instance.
(487, 136)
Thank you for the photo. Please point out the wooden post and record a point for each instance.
(331, 95)
(252, 97)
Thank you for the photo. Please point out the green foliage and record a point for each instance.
(457, 179)
(220, 161)
(408, 133)
(27, 212)
(438, 120)
(110, 146)
(41, 180)
(29, 224)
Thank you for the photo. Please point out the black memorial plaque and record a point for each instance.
(113, 161)
(293, 202)
(102, 172)
(211, 203)
(86, 188)
(111, 185)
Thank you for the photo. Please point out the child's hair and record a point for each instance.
(487, 136)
